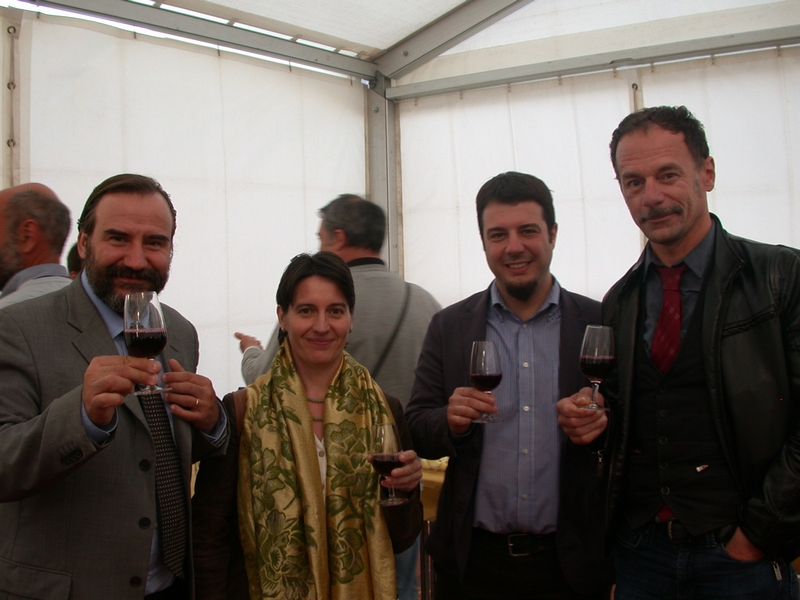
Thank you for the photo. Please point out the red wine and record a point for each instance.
(486, 383)
(386, 463)
(145, 343)
(597, 368)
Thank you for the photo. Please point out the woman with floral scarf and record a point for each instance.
(309, 522)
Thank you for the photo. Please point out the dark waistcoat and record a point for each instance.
(674, 456)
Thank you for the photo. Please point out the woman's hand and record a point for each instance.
(407, 477)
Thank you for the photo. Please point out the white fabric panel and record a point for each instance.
(248, 151)
(559, 132)
(542, 20)
(750, 106)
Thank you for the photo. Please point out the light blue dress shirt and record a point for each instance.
(518, 482)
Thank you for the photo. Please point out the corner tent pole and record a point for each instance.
(382, 170)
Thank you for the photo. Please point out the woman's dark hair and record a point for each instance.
(322, 264)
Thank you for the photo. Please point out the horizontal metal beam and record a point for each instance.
(216, 33)
(441, 35)
(753, 40)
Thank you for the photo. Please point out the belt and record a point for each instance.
(516, 544)
(677, 533)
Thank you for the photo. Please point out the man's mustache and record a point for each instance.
(657, 213)
(122, 272)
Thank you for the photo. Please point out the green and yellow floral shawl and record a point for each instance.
(297, 544)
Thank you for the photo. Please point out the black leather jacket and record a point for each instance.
(751, 349)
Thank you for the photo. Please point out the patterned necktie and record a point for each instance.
(667, 338)
(169, 485)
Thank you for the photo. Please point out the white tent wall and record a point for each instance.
(248, 151)
(559, 131)
(556, 130)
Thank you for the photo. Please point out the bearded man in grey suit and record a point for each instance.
(81, 477)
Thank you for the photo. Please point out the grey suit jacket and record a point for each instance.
(444, 366)
(76, 518)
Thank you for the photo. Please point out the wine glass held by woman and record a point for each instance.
(308, 497)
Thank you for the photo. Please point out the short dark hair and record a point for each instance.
(363, 222)
(126, 183)
(49, 212)
(74, 260)
(677, 119)
(323, 264)
(512, 188)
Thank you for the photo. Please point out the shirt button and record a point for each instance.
(144, 522)
(663, 412)
(662, 390)
(526, 408)
(136, 581)
(322, 453)
(524, 496)
(662, 440)
(524, 325)
(665, 491)
(525, 365)
(144, 465)
(663, 465)
(525, 451)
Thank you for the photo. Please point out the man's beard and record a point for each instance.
(522, 292)
(102, 280)
(10, 262)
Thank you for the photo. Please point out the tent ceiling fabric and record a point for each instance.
(359, 25)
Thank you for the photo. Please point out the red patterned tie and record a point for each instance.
(667, 338)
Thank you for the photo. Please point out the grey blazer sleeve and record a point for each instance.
(255, 364)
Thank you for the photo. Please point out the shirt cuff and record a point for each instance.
(99, 435)
(215, 435)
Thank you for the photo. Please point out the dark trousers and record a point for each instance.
(651, 566)
(177, 591)
(494, 574)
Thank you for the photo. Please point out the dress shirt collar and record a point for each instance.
(113, 321)
(34, 272)
(496, 300)
(697, 260)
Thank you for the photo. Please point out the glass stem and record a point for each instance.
(595, 387)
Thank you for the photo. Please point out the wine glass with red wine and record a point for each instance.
(485, 373)
(145, 333)
(386, 457)
(597, 358)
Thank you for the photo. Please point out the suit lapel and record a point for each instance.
(92, 337)
(573, 325)
(472, 328)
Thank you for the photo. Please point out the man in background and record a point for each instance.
(74, 261)
(34, 225)
(520, 512)
(703, 438)
(389, 322)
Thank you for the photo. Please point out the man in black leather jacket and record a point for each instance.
(702, 452)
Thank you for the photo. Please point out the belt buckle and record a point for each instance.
(511, 544)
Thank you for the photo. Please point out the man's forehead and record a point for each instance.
(120, 206)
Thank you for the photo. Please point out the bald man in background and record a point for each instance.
(34, 225)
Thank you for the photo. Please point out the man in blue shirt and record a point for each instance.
(90, 482)
(519, 515)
